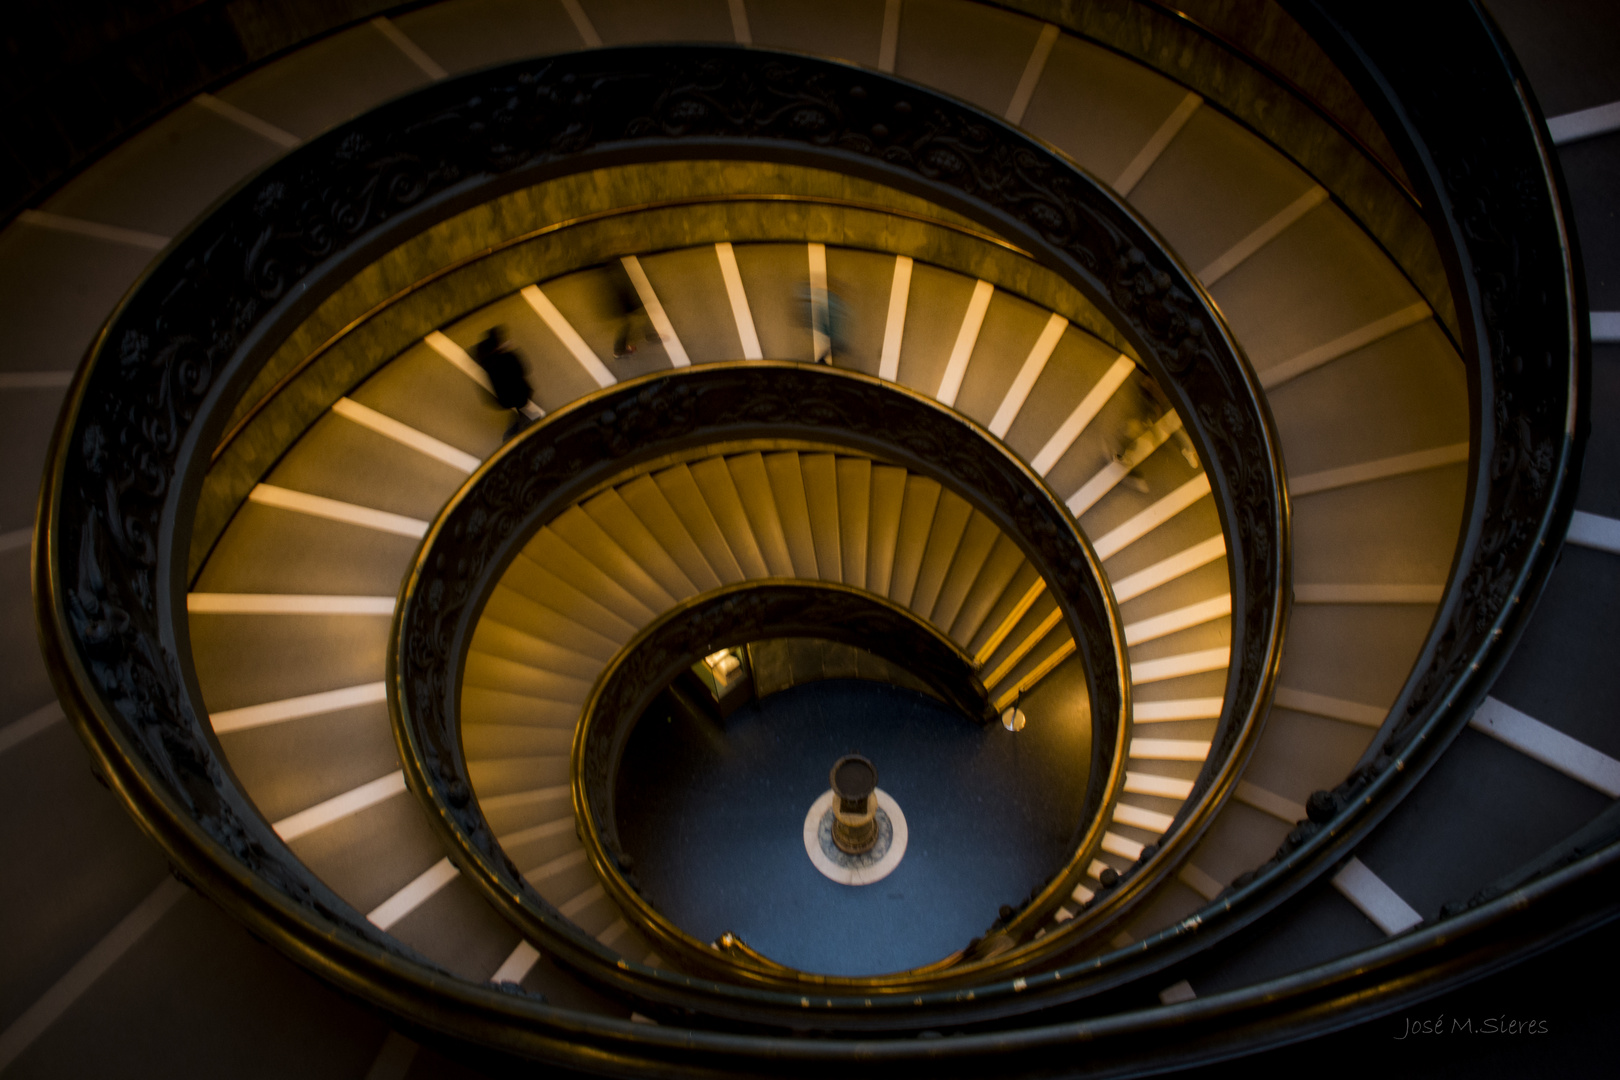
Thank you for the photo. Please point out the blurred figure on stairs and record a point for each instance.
(828, 318)
(508, 380)
(635, 325)
(1154, 406)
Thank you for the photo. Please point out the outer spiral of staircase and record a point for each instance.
(1388, 832)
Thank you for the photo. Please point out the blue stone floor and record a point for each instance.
(713, 816)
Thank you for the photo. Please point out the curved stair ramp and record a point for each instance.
(589, 581)
(1017, 369)
(1358, 362)
(1280, 238)
(411, 433)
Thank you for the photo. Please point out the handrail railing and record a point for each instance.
(598, 442)
(150, 406)
(736, 615)
(1494, 194)
(246, 416)
(364, 324)
(124, 458)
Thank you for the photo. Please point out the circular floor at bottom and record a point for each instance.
(713, 816)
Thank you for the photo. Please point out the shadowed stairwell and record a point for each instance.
(712, 811)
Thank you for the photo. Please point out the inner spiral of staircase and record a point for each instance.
(291, 606)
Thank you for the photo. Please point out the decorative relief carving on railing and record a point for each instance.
(577, 451)
(163, 379)
(1493, 194)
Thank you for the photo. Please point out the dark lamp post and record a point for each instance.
(854, 782)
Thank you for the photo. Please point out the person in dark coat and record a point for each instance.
(635, 325)
(507, 379)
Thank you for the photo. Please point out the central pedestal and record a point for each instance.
(711, 869)
(878, 861)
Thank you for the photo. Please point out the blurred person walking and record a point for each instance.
(508, 381)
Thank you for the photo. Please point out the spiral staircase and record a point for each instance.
(1301, 811)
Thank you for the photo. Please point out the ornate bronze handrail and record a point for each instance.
(595, 443)
(1495, 197)
(176, 356)
(124, 675)
(725, 617)
(350, 337)
(247, 416)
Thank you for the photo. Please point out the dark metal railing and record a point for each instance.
(600, 441)
(153, 401)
